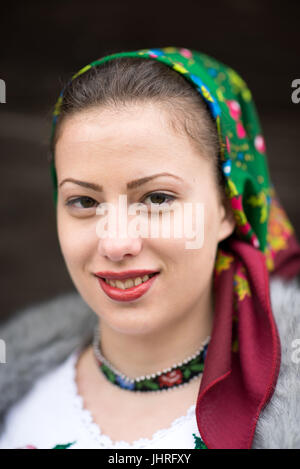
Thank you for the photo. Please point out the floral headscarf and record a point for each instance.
(243, 357)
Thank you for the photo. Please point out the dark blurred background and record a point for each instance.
(44, 43)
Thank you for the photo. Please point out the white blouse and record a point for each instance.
(52, 415)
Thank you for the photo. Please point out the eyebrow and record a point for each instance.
(130, 185)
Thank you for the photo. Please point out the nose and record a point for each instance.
(117, 248)
(116, 240)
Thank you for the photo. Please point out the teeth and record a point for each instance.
(128, 283)
(120, 284)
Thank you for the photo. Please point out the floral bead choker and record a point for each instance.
(176, 376)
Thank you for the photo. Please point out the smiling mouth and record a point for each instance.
(128, 291)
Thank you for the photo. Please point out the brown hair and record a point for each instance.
(131, 80)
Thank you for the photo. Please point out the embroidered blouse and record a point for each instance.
(52, 416)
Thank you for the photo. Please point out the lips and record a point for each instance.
(129, 294)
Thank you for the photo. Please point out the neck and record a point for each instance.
(143, 354)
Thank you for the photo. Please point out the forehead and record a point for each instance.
(139, 136)
(132, 126)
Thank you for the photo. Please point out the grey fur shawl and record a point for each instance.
(43, 335)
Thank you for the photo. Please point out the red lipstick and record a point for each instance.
(128, 294)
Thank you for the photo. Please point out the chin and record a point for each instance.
(132, 322)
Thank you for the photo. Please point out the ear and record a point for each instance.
(227, 220)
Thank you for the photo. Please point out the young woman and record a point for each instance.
(185, 352)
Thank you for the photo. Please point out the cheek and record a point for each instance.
(198, 235)
(199, 261)
(76, 242)
(187, 265)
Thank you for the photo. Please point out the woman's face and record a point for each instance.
(111, 148)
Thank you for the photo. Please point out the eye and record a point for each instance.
(159, 196)
(86, 202)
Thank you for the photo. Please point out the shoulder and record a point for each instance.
(39, 338)
(46, 414)
(278, 425)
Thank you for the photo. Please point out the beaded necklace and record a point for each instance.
(176, 376)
